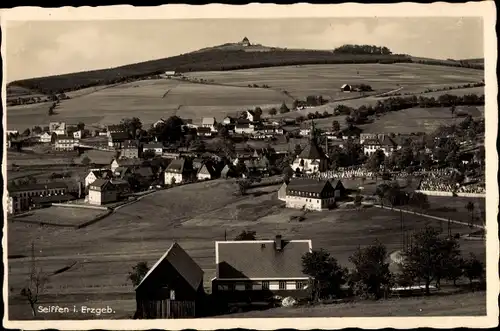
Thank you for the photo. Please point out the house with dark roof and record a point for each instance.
(47, 201)
(385, 143)
(346, 88)
(130, 150)
(311, 159)
(176, 172)
(116, 139)
(257, 270)
(172, 288)
(97, 173)
(155, 147)
(131, 163)
(19, 196)
(101, 192)
(206, 172)
(252, 116)
(309, 194)
(339, 188)
(204, 132)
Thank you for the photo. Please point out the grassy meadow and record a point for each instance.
(195, 215)
(151, 100)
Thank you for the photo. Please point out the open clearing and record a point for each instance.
(194, 215)
(154, 99)
(63, 216)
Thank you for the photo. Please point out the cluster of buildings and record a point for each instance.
(246, 272)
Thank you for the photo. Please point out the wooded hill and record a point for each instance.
(215, 60)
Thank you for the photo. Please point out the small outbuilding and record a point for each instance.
(172, 288)
(346, 88)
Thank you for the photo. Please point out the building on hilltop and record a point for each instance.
(258, 270)
(245, 42)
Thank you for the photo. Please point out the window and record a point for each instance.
(300, 285)
(265, 285)
(282, 285)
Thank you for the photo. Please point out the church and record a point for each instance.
(312, 158)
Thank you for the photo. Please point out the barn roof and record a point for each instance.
(176, 166)
(260, 259)
(37, 186)
(308, 185)
(180, 261)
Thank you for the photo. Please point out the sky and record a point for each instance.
(43, 48)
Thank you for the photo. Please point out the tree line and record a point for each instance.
(362, 49)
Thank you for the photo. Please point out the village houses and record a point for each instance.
(176, 172)
(209, 122)
(45, 138)
(116, 139)
(386, 144)
(258, 270)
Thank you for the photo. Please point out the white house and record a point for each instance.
(252, 116)
(244, 128)
(175, 172)
(101, 192)
(206, 172)
(228, 120)
(386, 144)
(95, 174)
(45, 138)
(78, 134)
(59, 128)
(309, 194)
(209, 122)
(157, 148)
(65, 143)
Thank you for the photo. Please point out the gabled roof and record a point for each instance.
(180, 261)
(102, 173)
(308, 185)
(312, 151)
(176, 166)
(207, 169)
(119, 136)
(153, 145)
(387, 141)
(102, 184)
(259, 259)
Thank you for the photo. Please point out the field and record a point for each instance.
(154, 99)
(194, 215)
(468, 304)
(59, 216)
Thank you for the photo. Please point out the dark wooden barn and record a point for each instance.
(172, 288)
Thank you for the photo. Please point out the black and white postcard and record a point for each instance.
(258, 166)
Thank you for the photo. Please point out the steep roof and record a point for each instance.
(119, 136)
(308, 185)
(260, 259)
(102, 173)
(180, 261)
(312, 151)
(176, 166)
(102, 184)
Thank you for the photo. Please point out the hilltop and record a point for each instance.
(230, 56)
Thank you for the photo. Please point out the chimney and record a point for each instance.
(278, 243)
